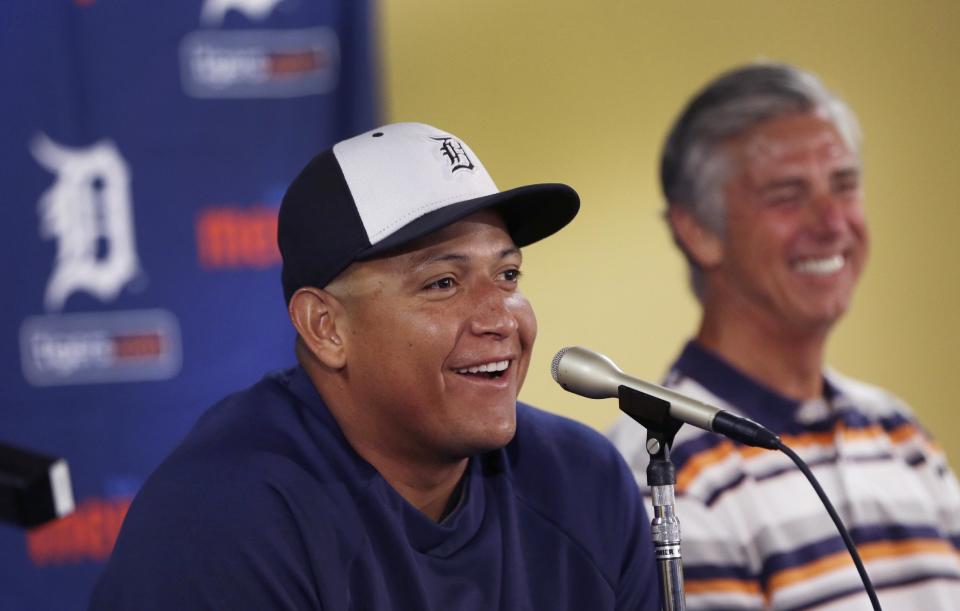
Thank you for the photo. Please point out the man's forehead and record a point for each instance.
(794, 139)
(824, 145)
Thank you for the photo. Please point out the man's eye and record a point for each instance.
(782, 197)
(511, 275)
(846, 186)
(845, 181)
(441, 284)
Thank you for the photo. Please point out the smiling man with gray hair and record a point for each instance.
(762, 176)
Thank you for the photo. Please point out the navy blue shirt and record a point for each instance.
(266, 506)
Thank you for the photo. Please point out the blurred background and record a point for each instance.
(584, 93)
(180, 126)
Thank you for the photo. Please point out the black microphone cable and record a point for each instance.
(844, 534)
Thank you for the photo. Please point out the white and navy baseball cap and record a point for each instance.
(379, 190)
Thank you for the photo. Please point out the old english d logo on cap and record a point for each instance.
(454, 152)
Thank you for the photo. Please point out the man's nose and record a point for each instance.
(828, 213)
(492, 314)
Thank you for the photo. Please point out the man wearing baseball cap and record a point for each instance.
(393, 468)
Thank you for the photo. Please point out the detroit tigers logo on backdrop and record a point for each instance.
(87, 211)
(255, 63)
(214, 11)
(455, 153)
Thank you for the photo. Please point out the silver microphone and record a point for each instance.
(593, 375)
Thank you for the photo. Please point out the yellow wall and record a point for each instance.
(582, 91)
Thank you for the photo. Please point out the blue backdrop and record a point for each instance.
(143, 153)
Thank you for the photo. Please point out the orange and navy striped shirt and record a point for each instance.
(754, 533)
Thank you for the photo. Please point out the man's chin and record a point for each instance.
(825, 315)
(501, 438)
(490, 439)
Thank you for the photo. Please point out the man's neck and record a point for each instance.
(428, 485)
(429, 488)
(790, 363)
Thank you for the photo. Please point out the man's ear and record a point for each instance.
(315, 314)
(701, 244)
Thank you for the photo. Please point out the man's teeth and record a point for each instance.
(827, 265)
(486, 367)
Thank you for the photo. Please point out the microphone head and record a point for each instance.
(555, 365)
(586, 373)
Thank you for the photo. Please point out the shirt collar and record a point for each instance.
(747, 395)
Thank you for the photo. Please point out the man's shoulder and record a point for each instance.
(255, 453)
(554, 459)
(267, 401)
(550, 423)
(560, 439)
(253, 482)
(273, 417)
(867, 396)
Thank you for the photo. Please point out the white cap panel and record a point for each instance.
(406, 171)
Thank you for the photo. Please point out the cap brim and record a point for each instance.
(531, 213)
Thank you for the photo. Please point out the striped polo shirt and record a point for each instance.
(754, 533)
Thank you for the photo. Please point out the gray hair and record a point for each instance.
(694, 165)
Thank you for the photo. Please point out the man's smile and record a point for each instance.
(492, 369)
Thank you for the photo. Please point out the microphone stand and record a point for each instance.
(654, 415)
